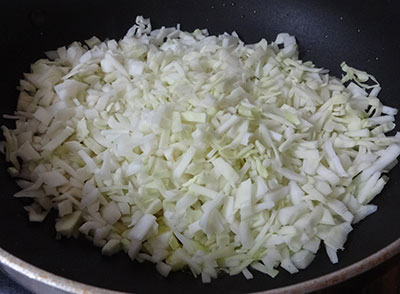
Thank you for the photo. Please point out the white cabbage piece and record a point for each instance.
(189, 149)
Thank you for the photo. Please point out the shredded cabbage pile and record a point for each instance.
(199, 151)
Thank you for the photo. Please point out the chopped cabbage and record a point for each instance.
(194, 150)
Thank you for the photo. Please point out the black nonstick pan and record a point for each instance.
(363, 33)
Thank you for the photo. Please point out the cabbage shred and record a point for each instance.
(193, 150)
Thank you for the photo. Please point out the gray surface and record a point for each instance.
(8, 286)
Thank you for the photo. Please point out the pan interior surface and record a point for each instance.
(362, 33)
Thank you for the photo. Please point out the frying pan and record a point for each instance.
(362, 32)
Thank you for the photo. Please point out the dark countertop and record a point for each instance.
(8, 286)
(384, 278)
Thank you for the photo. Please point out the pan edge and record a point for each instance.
(38, 280)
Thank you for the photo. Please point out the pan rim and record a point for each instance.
(69, 286)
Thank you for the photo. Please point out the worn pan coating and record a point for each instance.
(363, 33)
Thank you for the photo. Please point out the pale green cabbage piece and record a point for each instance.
(189, 149)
